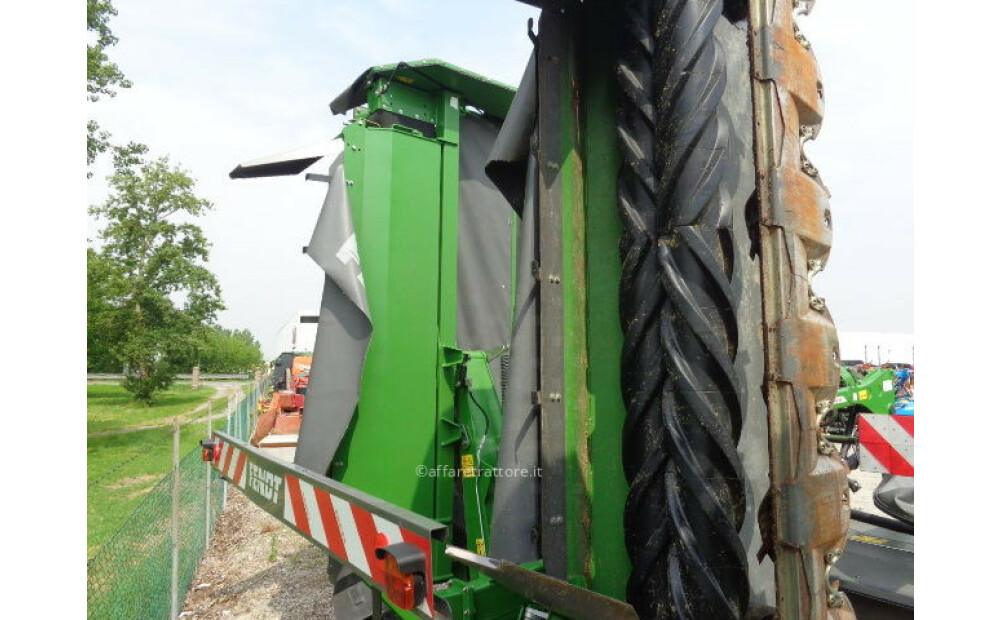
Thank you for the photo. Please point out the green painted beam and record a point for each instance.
(609, 567)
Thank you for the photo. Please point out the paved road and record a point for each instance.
(222, 390)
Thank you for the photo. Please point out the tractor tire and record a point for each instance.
(696, 437)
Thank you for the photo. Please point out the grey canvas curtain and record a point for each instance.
(343, 332)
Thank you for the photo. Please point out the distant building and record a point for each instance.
(298, 334)
(876, 347)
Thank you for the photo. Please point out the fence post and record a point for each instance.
(239, 418)
(175, 528)
(208, 480)
(222, 483)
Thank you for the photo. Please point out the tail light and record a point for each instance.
(210, 449)
(404, 565)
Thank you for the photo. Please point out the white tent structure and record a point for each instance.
(876, 347)
(298, 334)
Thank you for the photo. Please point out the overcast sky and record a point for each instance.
(220, 82)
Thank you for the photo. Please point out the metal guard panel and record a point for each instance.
(809, 480)
(344, 522)
(431, 75)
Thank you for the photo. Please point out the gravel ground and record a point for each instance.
(258, 569)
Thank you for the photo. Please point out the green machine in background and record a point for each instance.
(874, 391)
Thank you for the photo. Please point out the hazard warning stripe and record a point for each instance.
(233, 462)
(331, 528)
(348, 531)
(347, 523)
(368, 536)
(228, 450)
(293, 497)
(885, 444)
(241, 462)
(317, 529)
(356, 555)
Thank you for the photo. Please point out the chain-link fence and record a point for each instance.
(145, 569)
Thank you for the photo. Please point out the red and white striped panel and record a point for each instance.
(885, 443)
(350, 532)
(231, 463)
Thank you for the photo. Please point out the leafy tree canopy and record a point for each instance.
(105, 288)
(152, 294)
(217, 349)
(103, 76)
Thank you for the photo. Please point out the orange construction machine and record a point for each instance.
(281, 414)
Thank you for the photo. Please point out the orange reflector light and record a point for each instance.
(210, 450)
(403, 565)
(401, 588)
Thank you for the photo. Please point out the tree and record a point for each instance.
(217, 349)
(105, 287)
(103, 76)
(157, 292)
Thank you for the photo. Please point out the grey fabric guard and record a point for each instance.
(509, 157)
(484, 232)
(343, 332)
(516, 499)
(753, 443)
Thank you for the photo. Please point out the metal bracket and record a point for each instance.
(552, 41)
(557, 595)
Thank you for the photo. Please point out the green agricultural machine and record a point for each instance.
(874, 391)
(570, 362)
(859, 393)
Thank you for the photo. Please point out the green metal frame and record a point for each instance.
(427, 406)
(869, 391)
(431, 406)
(427, 76)
(607, 566)
(400, 403)
(593, 412)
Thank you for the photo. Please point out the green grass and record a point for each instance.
(273, 555)
(110, 407)
(123, 468)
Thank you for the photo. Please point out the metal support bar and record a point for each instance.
(551, 66)
(254, 457)
(346, 523)
(558, 596)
